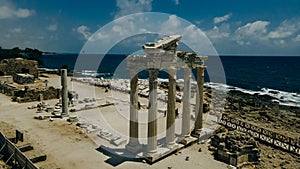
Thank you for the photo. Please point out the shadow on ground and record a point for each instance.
(117, 155)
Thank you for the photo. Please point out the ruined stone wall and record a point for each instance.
(6, 79)
(35, 95)
(7, 89)
(19, 65)
(29, 95)
(235, 148)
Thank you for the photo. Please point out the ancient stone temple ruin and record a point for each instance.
(163, 55)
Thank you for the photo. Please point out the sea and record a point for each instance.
(277, 76)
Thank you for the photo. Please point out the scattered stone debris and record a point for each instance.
(122, 85)
(102, 133)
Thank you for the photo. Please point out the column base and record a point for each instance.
(134, 148)
(62, 115)
(187, 140)
(196, 133)
(151, 152)
(170, 144)
(162, 152)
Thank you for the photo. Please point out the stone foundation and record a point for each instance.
(29, 95)
(235, 148)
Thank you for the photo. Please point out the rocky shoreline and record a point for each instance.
(262, 111)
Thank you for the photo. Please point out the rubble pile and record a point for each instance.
(235, 148)
(123, 85)
(29, 94)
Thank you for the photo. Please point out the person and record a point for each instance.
(70, 97)
(46, 82)
(106, 89)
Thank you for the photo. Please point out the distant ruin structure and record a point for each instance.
(15, 66)
(24, 78)
(23, 72)
(163, 55)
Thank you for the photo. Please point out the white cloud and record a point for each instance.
(23, 13)
(171, 26)
(222, 18)
(127, 7)
(7, 12)
(52, 27)
(282, 42)
(250, 32)
(176, 2)
(219, 32)
(84, 30)
(254, 28)
(285, 29)
(297, 38)
(16, 30)
(199, 22)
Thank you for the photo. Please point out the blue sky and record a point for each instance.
(234, 27)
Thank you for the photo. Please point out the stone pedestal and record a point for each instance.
(170, 138)
(199, 116)
(133, 145)
(152, 117)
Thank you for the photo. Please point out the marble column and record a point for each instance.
(64, 93)
(186, 105)
(133, 146)
(199, 99)
(152, 114)
(170, 138)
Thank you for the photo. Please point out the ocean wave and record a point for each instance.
(281, 97)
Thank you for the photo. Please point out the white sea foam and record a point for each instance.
(281, 97)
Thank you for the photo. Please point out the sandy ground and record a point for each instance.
(63, 143)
